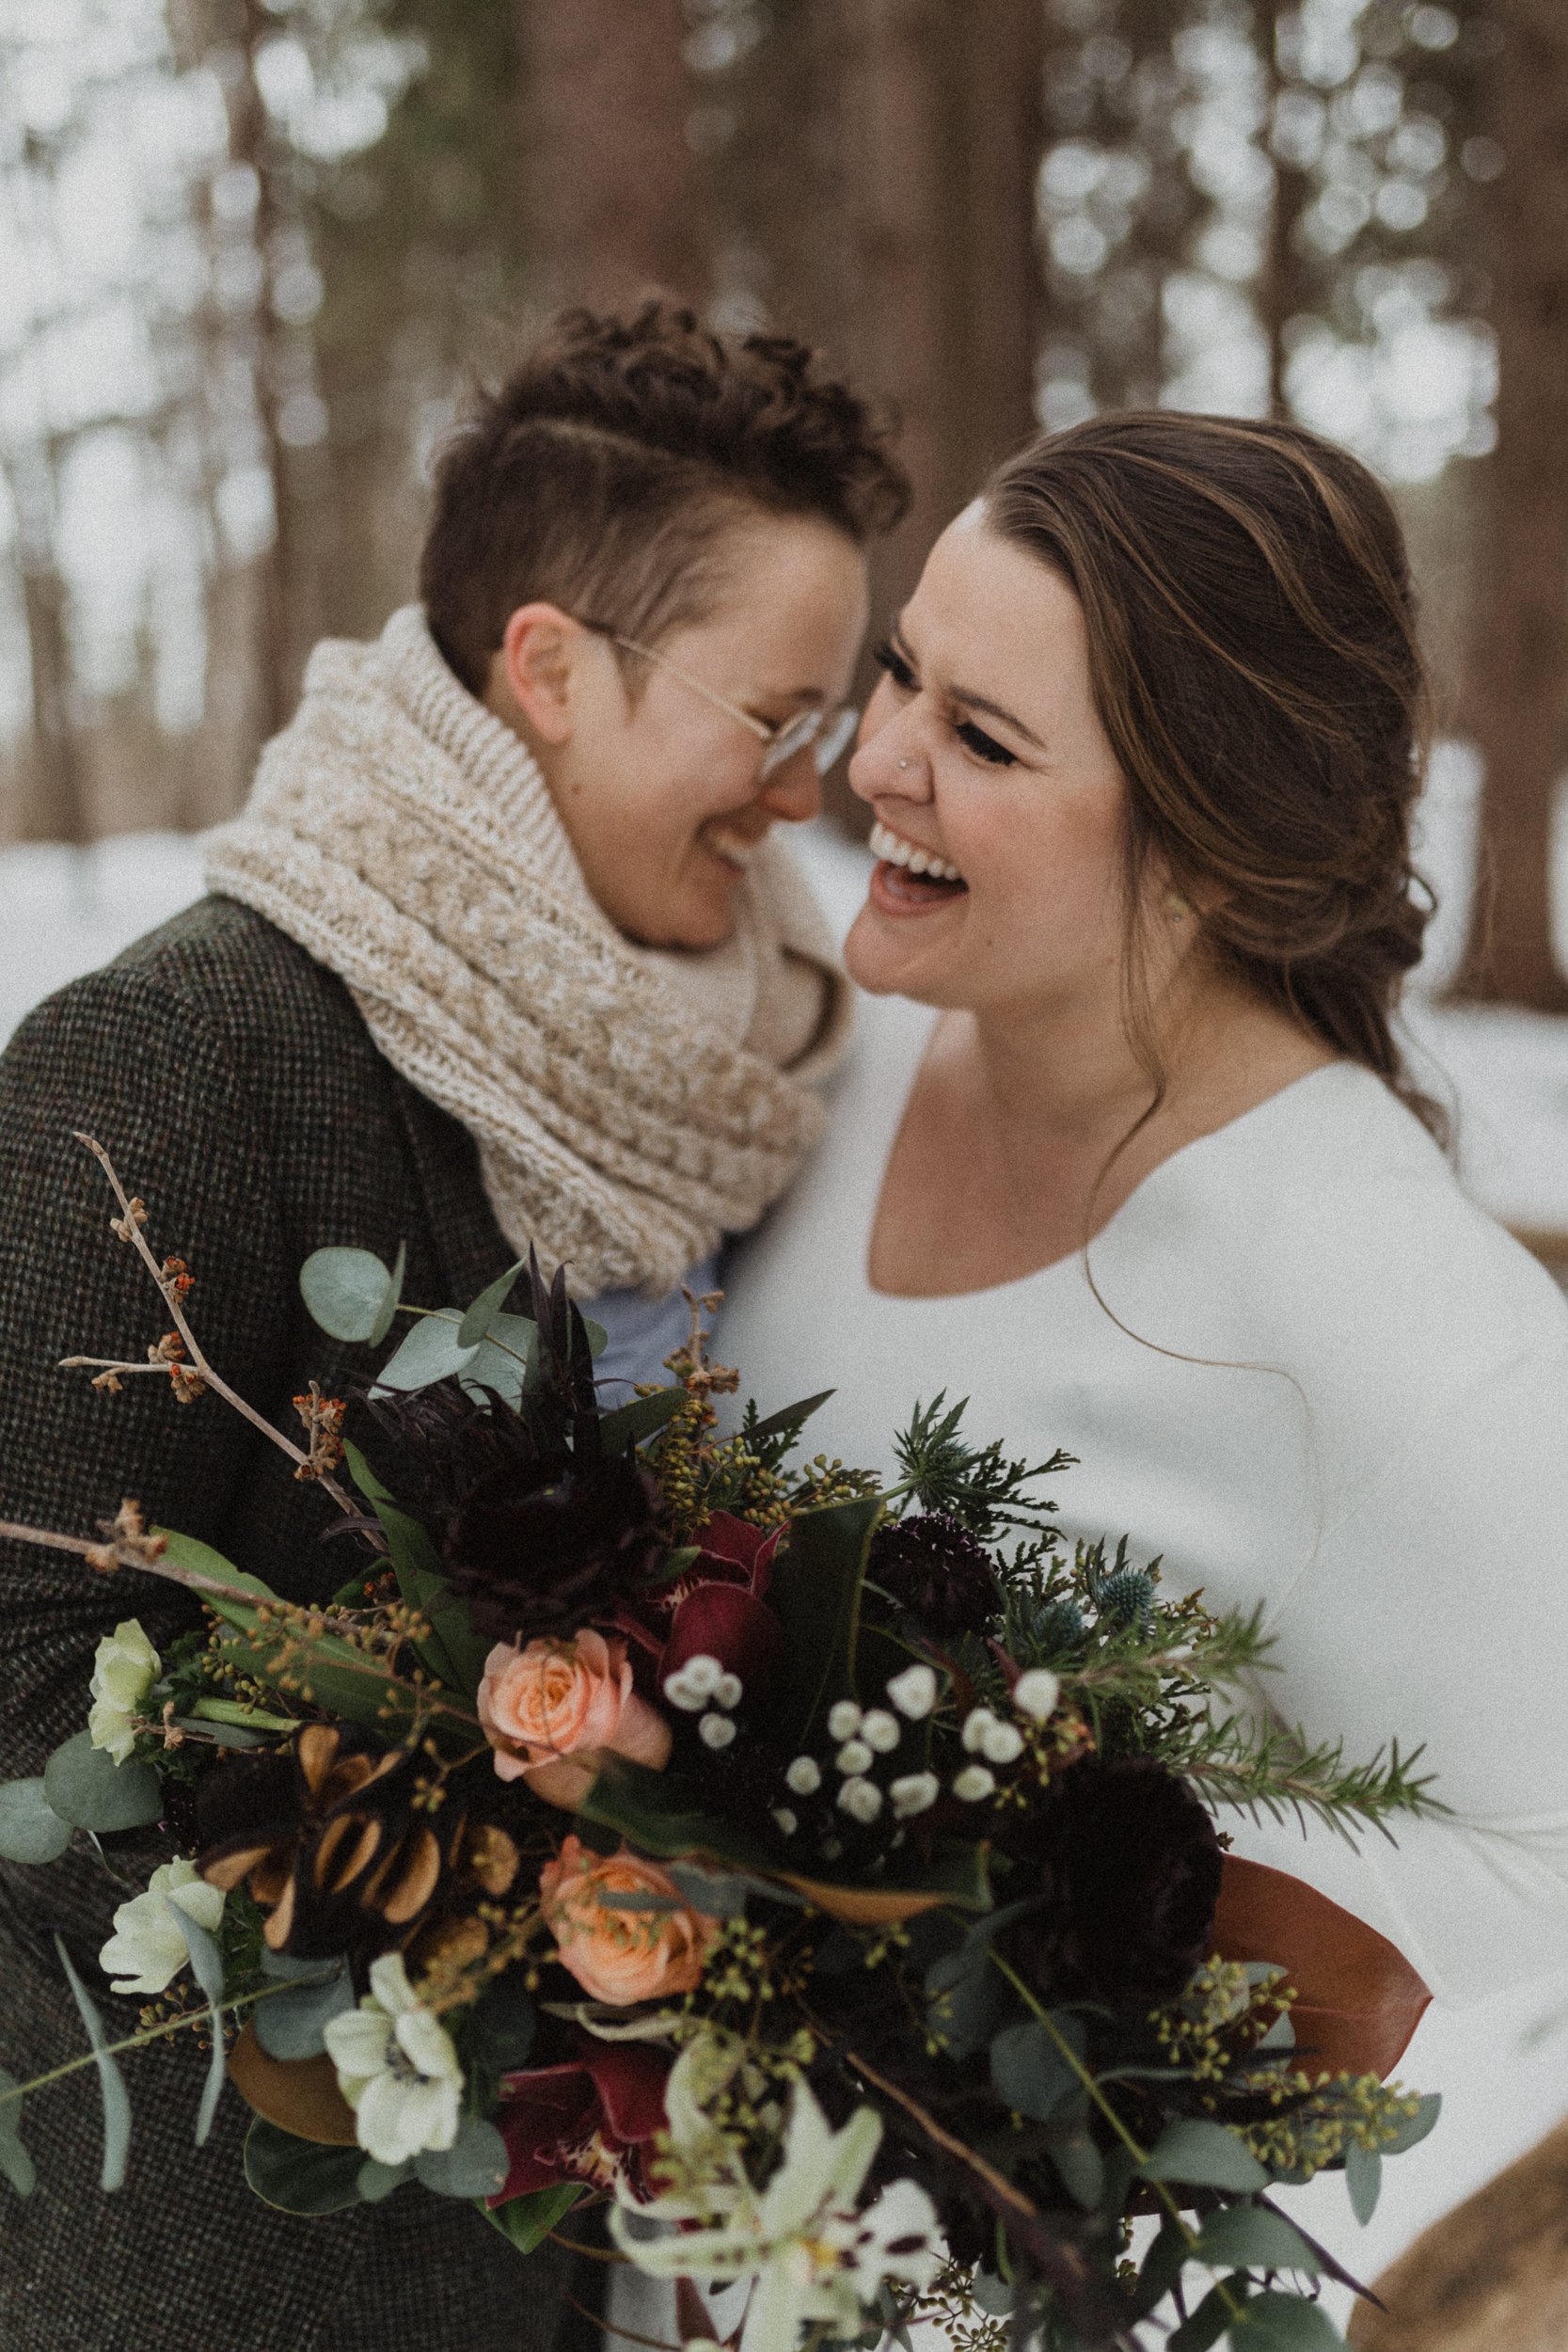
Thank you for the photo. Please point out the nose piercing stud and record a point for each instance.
(902, 765)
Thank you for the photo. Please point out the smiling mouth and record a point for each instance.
(736, 849)
(918, 875)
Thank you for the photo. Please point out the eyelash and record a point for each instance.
(973, 738)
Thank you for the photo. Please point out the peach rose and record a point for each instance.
(553, 1701)
(621, 1956)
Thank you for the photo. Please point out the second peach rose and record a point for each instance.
(549, 1708)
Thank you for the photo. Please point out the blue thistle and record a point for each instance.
(1057, 1626)
(1127, 1596)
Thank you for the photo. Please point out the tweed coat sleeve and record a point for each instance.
(235, 1089)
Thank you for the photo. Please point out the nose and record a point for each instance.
(890, 764)
(794, 790)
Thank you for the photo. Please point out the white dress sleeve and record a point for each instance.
(1437, 1610)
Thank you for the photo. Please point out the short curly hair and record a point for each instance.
(603, 473)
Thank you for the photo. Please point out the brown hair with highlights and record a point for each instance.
(607, 471)
(1253, 649)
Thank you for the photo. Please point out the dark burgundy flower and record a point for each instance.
(1127, 1866)
(542, 1548)
(716, 1609)
(934, 1567)
(589, 2120)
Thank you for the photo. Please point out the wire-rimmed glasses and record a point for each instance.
(824, 733)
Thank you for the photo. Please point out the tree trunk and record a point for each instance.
(1519, 690)
(615, 201)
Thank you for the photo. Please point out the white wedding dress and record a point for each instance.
(1372, 1443)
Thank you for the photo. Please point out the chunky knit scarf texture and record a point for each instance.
(631, 1106)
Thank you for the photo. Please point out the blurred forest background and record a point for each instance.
(251, 252)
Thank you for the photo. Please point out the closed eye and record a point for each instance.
(983, 746)
(888, 658)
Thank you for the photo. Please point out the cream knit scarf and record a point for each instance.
(631, 1107)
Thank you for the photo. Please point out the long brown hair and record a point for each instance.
(1253, 649)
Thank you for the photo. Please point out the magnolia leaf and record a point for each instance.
(488, 1306)
(527, 2220)
(111, 2082)
(1204, 2155)
(376, 2181)
(15, 2163)
(630, 1423)
(299, 2095)
(1253, 2237)
(1286, 2323)
(1411, 2133)
(184, 1551)
(476, 2165)
(299, 2175)
(1363, 2180)
(207, 1968)
(86, 1788)
(1028, 2070)
(1213, 2315)
(345, 1291)
(30, 1829)
(455, 1654)
(815, 1589)
(223, 1735)
(288, 2025)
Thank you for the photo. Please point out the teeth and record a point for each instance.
(731, 847)
(898, 851)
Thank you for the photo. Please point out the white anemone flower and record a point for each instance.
(397, 2068)
(812, 2255)
(146, 1949)
(124, 1669)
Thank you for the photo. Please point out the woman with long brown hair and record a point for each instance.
(1128, 1156)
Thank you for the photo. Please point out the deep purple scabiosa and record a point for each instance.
(933, 1567)
(545, 1547)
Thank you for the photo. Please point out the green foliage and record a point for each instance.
(351, 1295)
(15, 2163)
(486, 1308)
(288, 2025)
(207, 1968)
(475, 2165)
(84, 1787)
(816, 1592)
(1203, 2154)
(111, 2082)
(1253, 2237)
(975, 1485)
(30, 1829)
(529, 2221)
(298, 2175)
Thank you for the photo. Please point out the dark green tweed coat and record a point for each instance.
(237, 1090)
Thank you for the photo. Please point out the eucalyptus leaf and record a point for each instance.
(392, 1299)
(1411, 2133)
(428, 1353)
(111, 2082)
(1287, 2323)
(1028, 2070)
(992, 2295)
(86, 1788)
(488, 1306)
(30, 1829)
(15, 2163)
(1082, 2167)
(505, 1360)
(299, 2175)
(1363, 2180)
(1204, 2155)
(476, 2165)
(1253, 2237)
(288, 1970)
(1164, 2264)
(502, 2023)
(717, 1893)
(345, 1290)
(207, 1968)
(376, 2181)
(527, 2220)
(288, 2025)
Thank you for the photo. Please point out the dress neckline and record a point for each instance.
(889, 1125)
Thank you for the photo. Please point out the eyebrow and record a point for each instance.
(975, 702)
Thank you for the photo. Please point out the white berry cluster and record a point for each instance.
(704, 1687)
(991, 1741)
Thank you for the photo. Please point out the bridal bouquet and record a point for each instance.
(824, 1878)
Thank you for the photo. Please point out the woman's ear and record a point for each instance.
(537, 667)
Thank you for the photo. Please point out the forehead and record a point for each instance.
(790, 589)
(991, 616)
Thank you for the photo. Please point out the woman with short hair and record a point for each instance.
(499, 952)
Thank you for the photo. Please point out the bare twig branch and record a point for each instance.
(172, 1281)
